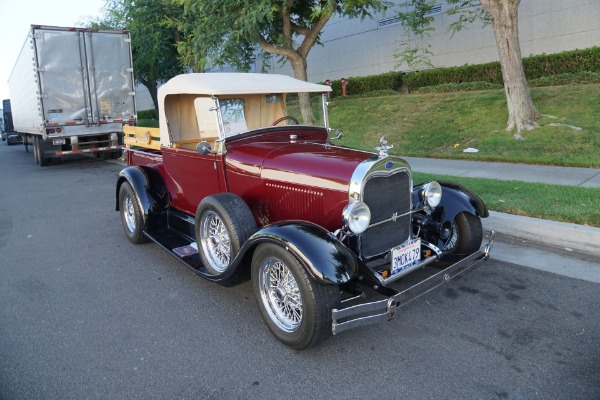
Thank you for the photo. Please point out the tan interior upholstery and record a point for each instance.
(183, 121)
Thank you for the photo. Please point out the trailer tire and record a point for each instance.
(43, 161)
(131, 215)
(36, 153)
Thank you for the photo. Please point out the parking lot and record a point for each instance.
(85, 314)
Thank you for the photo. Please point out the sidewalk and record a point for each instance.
(580, 238)
(585, 177)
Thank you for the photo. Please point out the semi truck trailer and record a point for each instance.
(72, 90)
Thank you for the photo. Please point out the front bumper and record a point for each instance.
(383, 310)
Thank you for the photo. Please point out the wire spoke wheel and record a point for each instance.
(215, 241)
(129, 212)
(280, 294)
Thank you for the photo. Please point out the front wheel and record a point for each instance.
(223, 224)
(296, 309)
(466, 235)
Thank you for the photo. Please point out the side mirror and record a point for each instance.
(338, 134)
(203, 148)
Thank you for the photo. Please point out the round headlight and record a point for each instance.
(432, 194)
(357, 217)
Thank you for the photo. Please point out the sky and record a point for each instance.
(18, 15)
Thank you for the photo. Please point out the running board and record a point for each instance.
(186, 252)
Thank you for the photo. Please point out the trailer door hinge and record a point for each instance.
(127, 40)
(42, 69)
(129, 69)
(215, 165)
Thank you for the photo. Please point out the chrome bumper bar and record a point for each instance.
(383, 310)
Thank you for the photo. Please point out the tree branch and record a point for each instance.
(300, 30)
(271, 48)
(311, 36)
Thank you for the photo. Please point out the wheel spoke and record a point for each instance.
(280, 294)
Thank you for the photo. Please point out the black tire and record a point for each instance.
(36, 151)
(299, 327)
(223, 224)
(40, 159)
(131, 215)
(466, 235)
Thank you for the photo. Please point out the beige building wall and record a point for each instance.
(357, 48)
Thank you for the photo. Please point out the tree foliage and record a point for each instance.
(235, 31)
(503, 16)
(157, 32)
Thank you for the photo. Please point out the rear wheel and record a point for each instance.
(296, 309)
(131, 215)
(37, 150)
(466, 236)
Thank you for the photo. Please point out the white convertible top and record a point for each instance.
(236, 83)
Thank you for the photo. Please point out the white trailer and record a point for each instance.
(72, 90)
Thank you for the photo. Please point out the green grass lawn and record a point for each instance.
(442, 125)
(556, 202)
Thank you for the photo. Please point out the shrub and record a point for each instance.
(535, 67)
(579, 78)
(365, 84)
(147, 114)
(458, 87)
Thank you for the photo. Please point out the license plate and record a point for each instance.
(58, 142)
(405, 256)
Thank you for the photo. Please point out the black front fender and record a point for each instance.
(455, 199)
(325, 259)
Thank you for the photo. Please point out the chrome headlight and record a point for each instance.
(432, 194)
(357, 217)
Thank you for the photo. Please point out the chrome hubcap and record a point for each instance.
(280, 294)
(215, 241)
(129, 212)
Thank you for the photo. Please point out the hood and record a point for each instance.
(311, 164)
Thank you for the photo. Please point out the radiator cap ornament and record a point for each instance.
(383, 149)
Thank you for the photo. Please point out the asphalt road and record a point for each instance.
(84, 314)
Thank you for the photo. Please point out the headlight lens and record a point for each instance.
(357, 217)
(432, 194)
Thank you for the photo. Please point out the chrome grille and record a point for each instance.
(386, 196)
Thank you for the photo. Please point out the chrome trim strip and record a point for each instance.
(369, 313)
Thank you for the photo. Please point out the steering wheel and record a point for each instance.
(278, 120)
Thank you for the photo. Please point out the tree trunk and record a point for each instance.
(522, 114)
(298, 64)
(153, 90)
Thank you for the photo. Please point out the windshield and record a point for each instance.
(243, 113)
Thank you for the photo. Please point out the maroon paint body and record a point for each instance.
(280, 178)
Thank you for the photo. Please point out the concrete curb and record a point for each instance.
(581, 238)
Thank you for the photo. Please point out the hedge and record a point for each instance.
(568, 62)
(147, 114)
(365, 84)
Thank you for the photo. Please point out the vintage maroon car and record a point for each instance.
(332, 237)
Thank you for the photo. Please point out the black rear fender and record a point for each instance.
(149, 188)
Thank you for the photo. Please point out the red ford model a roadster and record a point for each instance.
(232, 185)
